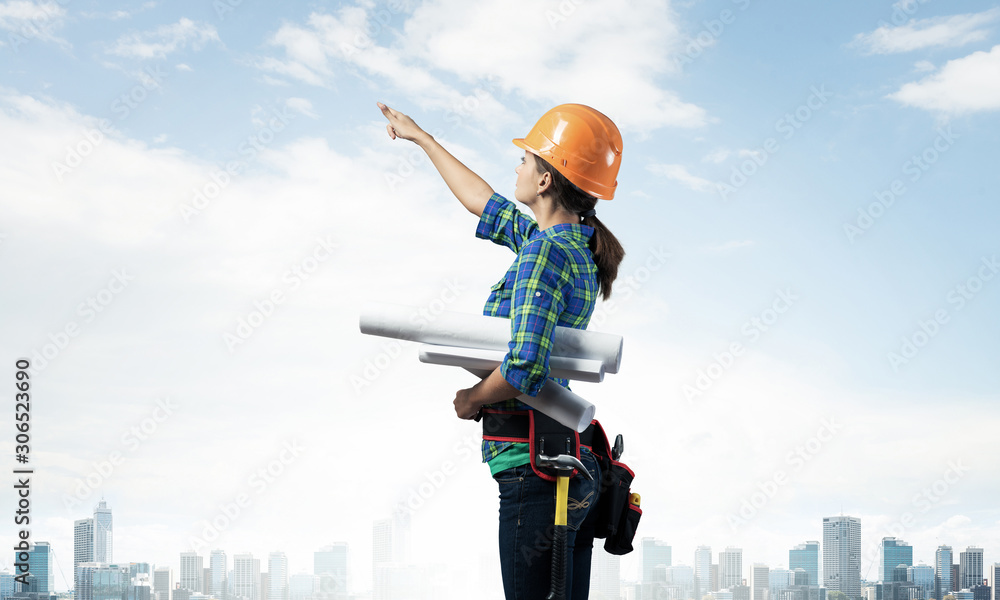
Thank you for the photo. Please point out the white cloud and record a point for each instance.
(730, 246)
(164, 40)
(953, 31)
(26, 20)
(680, 174)
(717, 156)
(963, 85)
(608, 55)
(302, 106)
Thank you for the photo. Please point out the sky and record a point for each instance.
(199, 199)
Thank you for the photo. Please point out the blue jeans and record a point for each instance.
(527, 516)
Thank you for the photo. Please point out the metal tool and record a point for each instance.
(563, 465)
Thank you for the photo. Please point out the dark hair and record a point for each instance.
(604, 246)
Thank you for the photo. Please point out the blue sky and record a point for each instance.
(180, 163)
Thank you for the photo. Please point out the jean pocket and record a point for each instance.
(511, 475)
(583, 493)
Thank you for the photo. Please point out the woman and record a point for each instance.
(565, 258)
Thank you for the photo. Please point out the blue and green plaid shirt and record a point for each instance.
(553, 281)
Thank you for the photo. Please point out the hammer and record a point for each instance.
(563, 465)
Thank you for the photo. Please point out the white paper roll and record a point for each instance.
(579, 369)
(490, 333)
(555, 401)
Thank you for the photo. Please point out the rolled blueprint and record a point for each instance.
(580, 369)
(489, 333)
(555, 401)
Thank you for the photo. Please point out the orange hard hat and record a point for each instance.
(582, 144)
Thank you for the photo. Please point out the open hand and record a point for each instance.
(400, 125)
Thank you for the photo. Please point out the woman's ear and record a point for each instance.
(544, 183)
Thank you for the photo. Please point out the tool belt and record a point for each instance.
(618, 515)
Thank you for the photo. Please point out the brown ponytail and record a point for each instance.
(604, 246)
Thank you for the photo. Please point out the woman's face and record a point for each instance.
(528, 179)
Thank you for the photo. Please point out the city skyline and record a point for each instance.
(391, 535)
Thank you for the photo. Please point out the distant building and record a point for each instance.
(330, 565)
(922, 576)
(163, 583)
(730, 568)
(246, 577)
(842, 555)
(760, 582)
(218, 565)
(654, 553)
(806, 557)
(277, 573)
(192, 574)
(893, 553)
(943, 583)
(702, 571)
(605, 574)
(102, 581)
(970, 568)
(103, 534)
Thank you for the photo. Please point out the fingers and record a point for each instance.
(392, 132)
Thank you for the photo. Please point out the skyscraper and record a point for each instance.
(759, 581)
(993, 573)
(83, 546)
(893, 553)
(163, 583)
(943, 583)
(842, 555)
(277, 573)
(605, 575)
(246, 576)
(806, 557)
(103, 538)
(101, 581)
(218, 565)
(730, 567)
(330, 565)
(654, 553)
(703, 570)
(970, 568)
(923, 576)
(42, 579)
(192, 576)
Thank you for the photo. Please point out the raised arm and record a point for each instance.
(470, 189)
